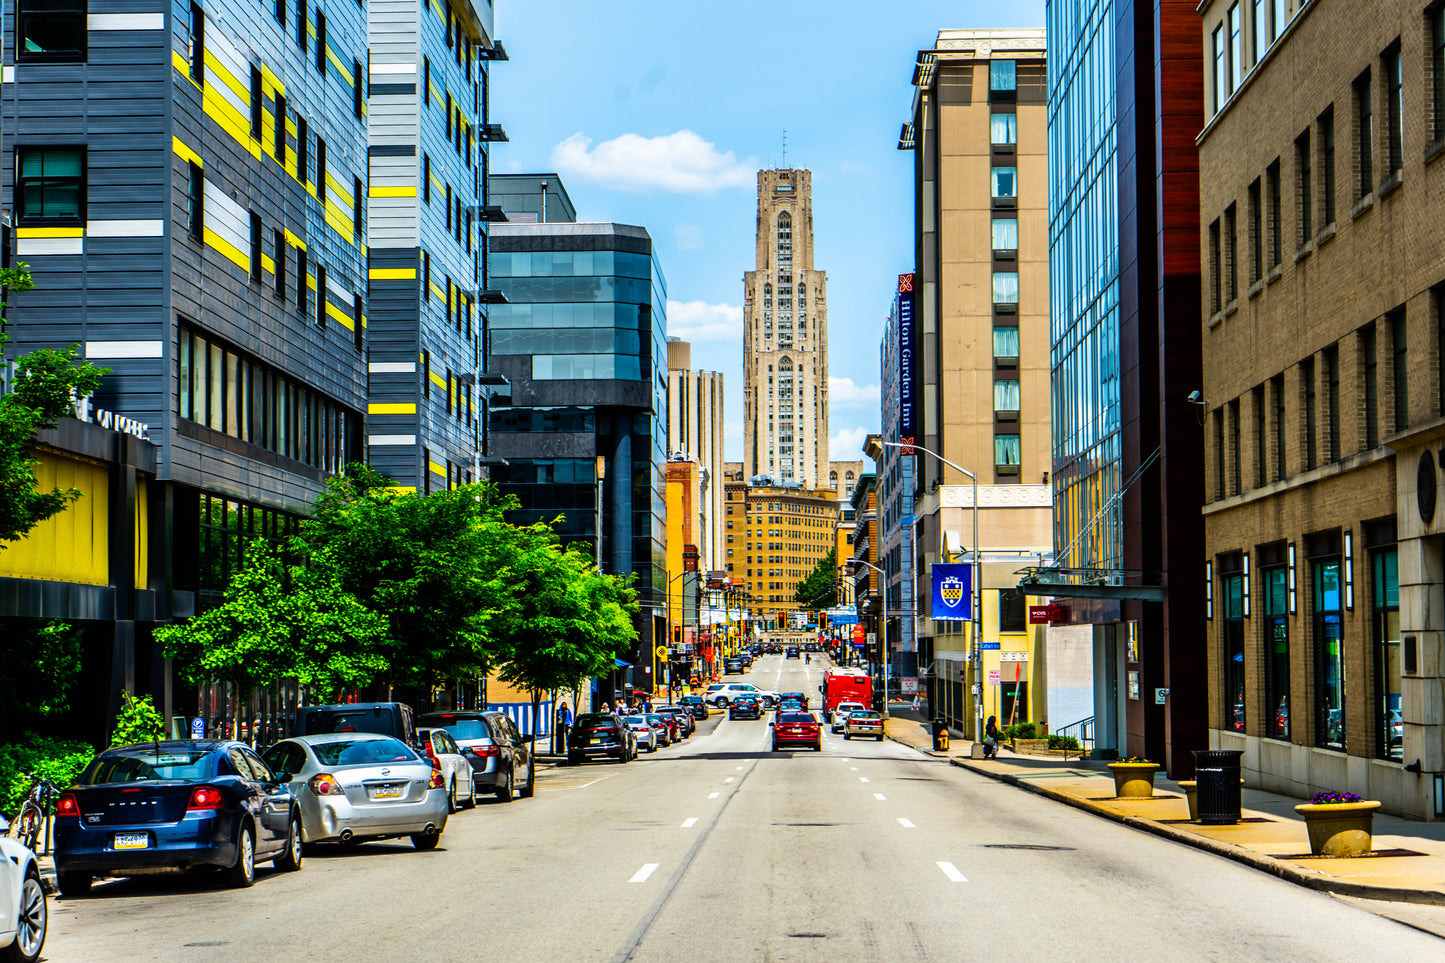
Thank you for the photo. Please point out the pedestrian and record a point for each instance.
(564, 724)
(915, 702)
(606, 707)
(991, 737)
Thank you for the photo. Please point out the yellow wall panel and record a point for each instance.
(74, 545)
(142, 536)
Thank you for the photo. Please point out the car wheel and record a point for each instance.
(32, 923)
(290, 859)
(424, 842)
(775, 747)
(818, 746)
(243, 873)
(471, 800)
(722, 702)
(453, 803)
(530, 789)
(847, 737)
(574, 758)
(74, 885)
(880, 739)
(504, 794)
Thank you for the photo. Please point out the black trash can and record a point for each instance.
(1217, 778)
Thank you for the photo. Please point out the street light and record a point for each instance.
(882, 623)
(977, 589)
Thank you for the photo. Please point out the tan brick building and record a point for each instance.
(775, 536)
(785, 338)
(1322, 221)
(695, 430)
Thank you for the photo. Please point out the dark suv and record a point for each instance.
(792, 652)
(500, 755)
(733, 667)
(695, 705)
(600, 734)
(746, 705)
(383, 718)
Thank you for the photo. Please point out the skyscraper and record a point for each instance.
(695, 431)
(785, 339)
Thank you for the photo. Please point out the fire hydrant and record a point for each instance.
(940, 735)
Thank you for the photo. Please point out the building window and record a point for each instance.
(1261, 439)
(1364, 137)
(52, 31)
(1305, 211)
(52, 185)
(321, 170)
(1327, 160)
(1007, 451)
(1329, 646)
(1233, 653)
(1003, 128)
(302, 281)
(1216, 42)
(1005, 182)
(1235, 474)
(358, 90)
(1276, 640)
(1437, 71)
(1369, 352)
(258, 101)
(320, 41)
(301, 25)
(1385, 625)
(255, 246)
(1006, 342)
(1215, 305)
(1399, 369)
(1006, 396)
(1276, 218)
(1220, 492)
(321, 298)
(198, 44)
(1332, 398)
(1261, 29)
(280, 150)
(1394, 107)
(1280, 20)
(1002, 75)
(426, 81)
(278, 244)
(1256, 233)
(1280, 449)
(196, 202)
(1005, 287)
(1005, 234)
(1307, 378)
(281, 12)
(1236, 51)
(1012, 611)
(1231, 235)
(426, 178)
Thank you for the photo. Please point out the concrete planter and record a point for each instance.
(1191, 793)
(1133, 780)
(1030, 747)
(1339, 829)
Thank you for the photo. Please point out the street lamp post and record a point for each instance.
(977, 586)
(882, 623)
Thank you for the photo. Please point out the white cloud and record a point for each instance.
(689, 237)
(846, 444)
(733, 430)
(699, 321)
(844, 393)
(680, 163)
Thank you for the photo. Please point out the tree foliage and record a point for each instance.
(138, 721)
(820, 589)
(41, 660)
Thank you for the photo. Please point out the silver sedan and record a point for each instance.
(644, 730)
(355, 786)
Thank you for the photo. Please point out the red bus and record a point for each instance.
(845, 685)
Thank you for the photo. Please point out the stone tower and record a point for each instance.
(785, 339)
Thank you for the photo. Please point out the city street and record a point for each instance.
(719, 849)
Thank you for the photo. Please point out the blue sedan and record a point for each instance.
(174, 806)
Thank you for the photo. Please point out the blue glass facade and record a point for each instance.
(1084, 282)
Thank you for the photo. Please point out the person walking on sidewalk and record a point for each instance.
(564, 723)
(991, 737)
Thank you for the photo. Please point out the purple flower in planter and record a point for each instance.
(1334, 798)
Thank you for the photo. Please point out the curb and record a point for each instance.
(1266, 864)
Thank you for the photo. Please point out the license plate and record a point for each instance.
(386, 792)
(596, 740)
(132, 840)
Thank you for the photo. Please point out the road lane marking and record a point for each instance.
(862, 778)
(854, 768)
(906, 823)
(951, 871)
(880, 797)
(729, 778)
(689, 822)
(641, 875)
(740, 768)
(713, 795)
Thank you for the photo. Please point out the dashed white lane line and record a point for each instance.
(641, 875)
(740, 768)
(880, 797)
(713, 795)
(729, 778)
(689, 822)
(862, 778)
(906, 823)
(951, 871)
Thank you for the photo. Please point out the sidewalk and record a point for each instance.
(1409, 866)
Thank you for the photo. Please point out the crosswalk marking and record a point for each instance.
(905, 823)
(641, 875)
(951, 871)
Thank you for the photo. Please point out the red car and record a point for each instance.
(667, 724)
(797, 728)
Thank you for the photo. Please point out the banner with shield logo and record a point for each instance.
(952, 592)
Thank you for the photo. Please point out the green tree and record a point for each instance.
(820, 589)
(138, 721)
(435, 567)
(41, 660)
(281, 621)
(568, 621)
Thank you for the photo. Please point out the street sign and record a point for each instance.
(872, 638)
(988, 646)
(910, 684)
(993, 677)
(198, 728)
(661, 651)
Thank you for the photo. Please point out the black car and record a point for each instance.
(183, 805)
(600, 734)
(792, 652)
(747, 706)
(732, 667)
(695, 705)
(500, 755)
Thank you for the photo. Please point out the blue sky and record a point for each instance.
(660, 113)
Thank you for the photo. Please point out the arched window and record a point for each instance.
(785, 222)
(767, 290)
(832, 476)
(786, 364)
(848, 476)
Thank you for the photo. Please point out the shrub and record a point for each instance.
(33, 755)
(1064, 742)
(1022, 730)
(137, 721)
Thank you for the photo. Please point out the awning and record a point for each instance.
(620, 664)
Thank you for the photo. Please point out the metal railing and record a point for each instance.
(1083, 730)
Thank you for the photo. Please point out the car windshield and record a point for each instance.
(654, 717)
(635, 722)
(595, 720)
(377, 719)
(363, 752)
(863, 714)
(467, 729)
(144, 765)
(795, 717)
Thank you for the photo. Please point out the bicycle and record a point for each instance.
(34, 815)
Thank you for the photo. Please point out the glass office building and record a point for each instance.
(1084, 283)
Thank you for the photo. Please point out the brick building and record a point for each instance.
(1320, 235)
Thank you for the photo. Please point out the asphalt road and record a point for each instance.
(719, 849)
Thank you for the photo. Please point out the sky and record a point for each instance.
(660, 114)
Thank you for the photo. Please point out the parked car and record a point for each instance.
(840, 713)
(500, 755)
(359, 786)
(746, 705)
(600, 734)
(24, 913)
(732, 667)
(643, 731)
(446, 755)
(687, 725)
(792, 652)
(383, 718)
(695, 705)
(671, 728)
(863, 722)
(797, 728)
(201, 804)
(722, 693)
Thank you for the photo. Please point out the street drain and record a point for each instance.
(1032, 846)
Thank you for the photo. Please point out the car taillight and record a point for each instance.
(67, 805)
(325, 784)
(485, 752)
(204, 797)
(438, 780)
